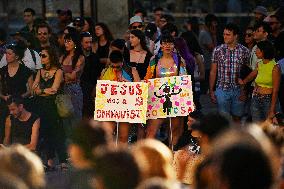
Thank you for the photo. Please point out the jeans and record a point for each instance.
(228, 101)
(260, 107)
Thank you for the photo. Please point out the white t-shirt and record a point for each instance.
(27, 60)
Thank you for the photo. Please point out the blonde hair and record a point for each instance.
(22, 163)
(155, 159)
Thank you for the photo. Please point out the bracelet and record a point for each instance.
(42, 91)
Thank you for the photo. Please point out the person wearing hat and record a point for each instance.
(78, 24)
(31, 58)
(136, 23)
(260, 12)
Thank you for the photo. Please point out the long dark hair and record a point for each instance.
(141, 36)
(106, 31)
(53, 57)
(78, 50)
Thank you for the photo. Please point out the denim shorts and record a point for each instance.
(260, 106)
(228, 101)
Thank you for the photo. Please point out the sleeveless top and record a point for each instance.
(17, 84)
(142, 67)
(47, 83)
(103, 51)
(166, 72)
(264, 74)
(21, 131)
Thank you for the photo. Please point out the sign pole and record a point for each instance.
(171, 134)
(116, 140)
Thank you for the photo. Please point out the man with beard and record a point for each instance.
(91, 72)
(44, 36)
(22, 126)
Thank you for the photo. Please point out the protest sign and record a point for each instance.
(169, 97)
(121, 101)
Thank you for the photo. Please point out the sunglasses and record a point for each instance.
(42, 55)
(42, 33)
(248, 34)
(136, 27)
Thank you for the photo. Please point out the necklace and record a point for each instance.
(46, 75)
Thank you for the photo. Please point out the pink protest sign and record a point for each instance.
(121, 101)
(169, 97)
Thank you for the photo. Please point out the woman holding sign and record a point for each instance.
(167, 65)
(118, 71)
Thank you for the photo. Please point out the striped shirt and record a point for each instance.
(229, 62)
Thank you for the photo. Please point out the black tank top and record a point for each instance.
(103, 51)
(21, 131)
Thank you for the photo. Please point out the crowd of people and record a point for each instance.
(43, 67)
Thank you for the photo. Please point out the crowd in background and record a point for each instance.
(241, 70)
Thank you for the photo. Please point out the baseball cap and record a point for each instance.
(150, 30)
(135, 19)
(212, 124)
(79, 21)
(261, 9)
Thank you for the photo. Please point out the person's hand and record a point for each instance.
(5, 98)
(213, 97)
(243, 96)
(271, 117)
(50, 91)
(241, 82)
(190, 121)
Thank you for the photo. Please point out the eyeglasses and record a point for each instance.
(137, 27)
(42, 55)
(271, 23)
(248, 34)
(42, 33)
(68, 41)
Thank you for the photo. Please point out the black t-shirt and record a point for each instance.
(21, 131)
(92, 69)
(16, 85)
(279, 45)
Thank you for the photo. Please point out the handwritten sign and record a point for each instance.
(121, 101)
(169, 97)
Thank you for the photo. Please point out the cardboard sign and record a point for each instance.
(121, 101)
(169, 97)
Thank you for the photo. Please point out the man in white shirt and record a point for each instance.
(32, 63)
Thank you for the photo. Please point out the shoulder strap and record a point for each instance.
(33, 56)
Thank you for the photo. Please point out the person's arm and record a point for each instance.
(35, 88)
(29, 87)
(7, 138)
(58, 78)
(212, 81)
(250, 77)
(135, 74)
(76, 72)
(201, 68)
(276, 78)
(34, 137)
(150, 69)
